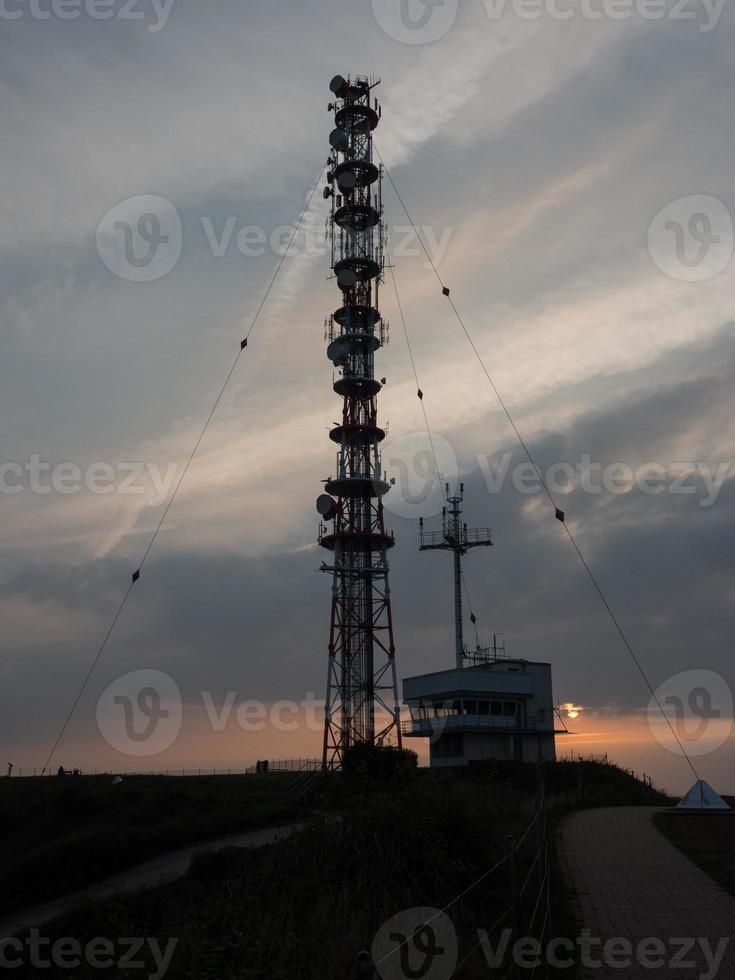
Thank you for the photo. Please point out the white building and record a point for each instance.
(494, 709)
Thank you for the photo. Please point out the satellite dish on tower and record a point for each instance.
(346, 278)
(339, 86)
(326, 506)
(339, 140)
(347, 181)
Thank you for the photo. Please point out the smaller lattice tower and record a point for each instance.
(457, 538)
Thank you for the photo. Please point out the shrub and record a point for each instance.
(378, 762)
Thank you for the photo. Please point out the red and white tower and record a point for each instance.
(362, 695)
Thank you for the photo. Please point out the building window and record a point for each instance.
(509, 708)
(444, 709)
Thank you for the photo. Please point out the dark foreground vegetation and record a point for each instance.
(707, 839)
(60, 835)
(305, 907)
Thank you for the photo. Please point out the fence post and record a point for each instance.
(580, 785)
(513, 892)
(364, 966)
(538, 808)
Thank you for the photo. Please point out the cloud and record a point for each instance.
(545, 149)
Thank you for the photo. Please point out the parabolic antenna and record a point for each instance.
(326, 506)
(339, 86)
(357, 317)
(346, 278)
(338, 351)
(364, 171)
(346, 180)
(339, 140)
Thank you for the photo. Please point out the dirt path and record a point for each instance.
(632, 884)
(159, 871)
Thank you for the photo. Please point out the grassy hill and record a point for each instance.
(306, 906)
(59, 835)
(707, 839)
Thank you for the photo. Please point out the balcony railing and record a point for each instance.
(453, 723)
(466, 536)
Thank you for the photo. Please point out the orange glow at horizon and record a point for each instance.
(624, 739)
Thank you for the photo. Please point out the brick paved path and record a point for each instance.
(630, 882)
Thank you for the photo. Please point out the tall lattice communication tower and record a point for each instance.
(362, 695)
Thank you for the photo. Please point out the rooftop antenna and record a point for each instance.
(457, 538)
(498, 645)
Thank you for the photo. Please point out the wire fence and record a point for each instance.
(525, 891)
(603, 760)
(526, 916)
(262, 767)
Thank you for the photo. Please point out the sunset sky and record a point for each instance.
(537, 154)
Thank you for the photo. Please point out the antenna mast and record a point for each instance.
(362, 694)
(455, 537)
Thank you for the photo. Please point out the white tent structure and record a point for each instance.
(702, 797)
